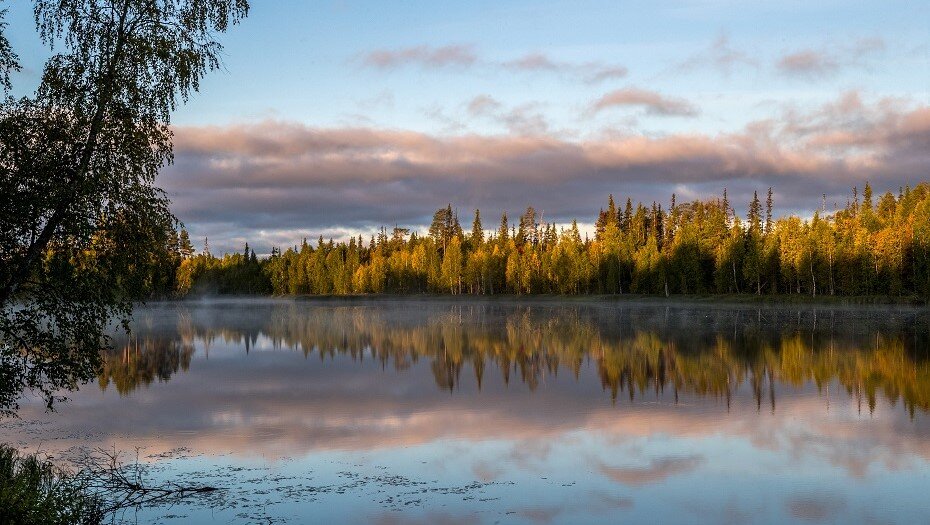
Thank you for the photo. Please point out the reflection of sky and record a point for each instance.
(346, 440)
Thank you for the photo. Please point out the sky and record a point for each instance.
(334, 118)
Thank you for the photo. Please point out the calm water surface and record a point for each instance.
(448, 412)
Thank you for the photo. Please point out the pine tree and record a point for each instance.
(726, 206)
(754, 216)
(503, 233)
(768, 213)
(527, 231)
(672, 224)
(752, 266)
(477, 231)
(627, 216)
(185, 247)
(606, 217)
(867, 197)
(601, 223)
(445, 225)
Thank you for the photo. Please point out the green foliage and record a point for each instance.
(33, 491)
(83, 229)
(238, 274)
(696, 247)
(9, 62)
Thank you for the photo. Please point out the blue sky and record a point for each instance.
(594, 77)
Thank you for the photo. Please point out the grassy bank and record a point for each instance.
(34, 491)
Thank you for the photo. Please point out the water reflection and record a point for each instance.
(439, 411)
(636, 349)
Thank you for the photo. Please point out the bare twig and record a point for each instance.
(121, 486)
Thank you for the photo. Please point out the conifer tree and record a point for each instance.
(768, 213)
(754, 216)
(185, 247)
(627, 216)
(503, 233)
(477, 231)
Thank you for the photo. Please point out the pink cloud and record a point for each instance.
(424, 56)
(591, 72)
(653, 102)
(813, 63)
(808, 62)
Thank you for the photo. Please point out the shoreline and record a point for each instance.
(594, 299)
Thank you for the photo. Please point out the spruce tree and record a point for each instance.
(768, 213)
(503, 233)
(627, 216)
(185, 247)
(755, 214)
(477, 231)
(867, 197)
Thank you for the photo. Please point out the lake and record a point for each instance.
(508, 411)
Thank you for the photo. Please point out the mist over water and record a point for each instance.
(512, 411)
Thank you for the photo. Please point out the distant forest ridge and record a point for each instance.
(875, 245)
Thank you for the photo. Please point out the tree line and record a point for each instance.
(875, 245)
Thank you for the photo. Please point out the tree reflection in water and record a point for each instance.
(636, 348)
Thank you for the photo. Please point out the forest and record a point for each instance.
(874, 246)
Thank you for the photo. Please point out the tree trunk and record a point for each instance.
(735, 282)
(813, 281)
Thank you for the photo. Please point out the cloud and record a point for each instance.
(260, 179)
(525, 120)
(423, 56)
(590, 72)
(483, 105)
(603, 73)
(450, 123)
(522, 120)
(658, 470)
(814, 63)
(654, 103)
(532, 62)
(867, 46)
(464, 56)
(808, 63)
(720, 55)
(383, 99)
